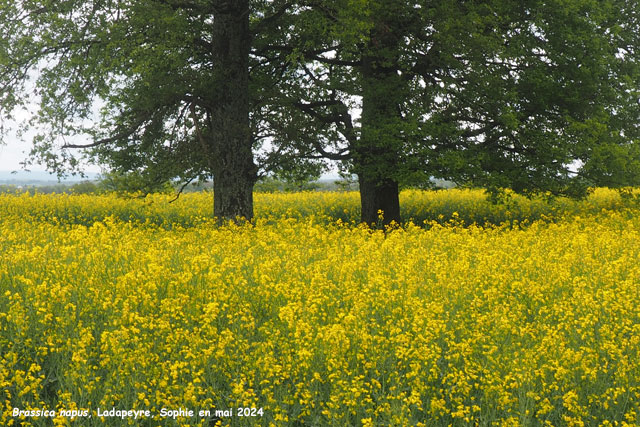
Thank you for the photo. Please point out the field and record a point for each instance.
(523, 314)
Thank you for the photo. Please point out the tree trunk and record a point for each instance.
(234, 172)
(376, 155)
(376, 197)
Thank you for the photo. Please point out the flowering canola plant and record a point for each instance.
(315, 321)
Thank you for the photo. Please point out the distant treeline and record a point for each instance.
(268, 185)
(265, 185)
(83, 187)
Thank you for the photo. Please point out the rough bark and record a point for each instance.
(376, 153)
(378, 197)
(234, 171)
(376, 162)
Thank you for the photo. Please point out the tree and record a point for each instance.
(534, 95)
(172, 77)
(344, 50)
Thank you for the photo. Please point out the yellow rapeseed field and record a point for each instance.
(138, 312)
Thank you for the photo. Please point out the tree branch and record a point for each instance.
(119, 136)
(264, 22)
(189, 181)
(335, 61)
(200, 136)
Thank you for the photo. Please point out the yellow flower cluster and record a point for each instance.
(316, 322)
(464, 206)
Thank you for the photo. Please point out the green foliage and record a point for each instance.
(85, 187)
(133, 182)
(535, 96)
(271, 184)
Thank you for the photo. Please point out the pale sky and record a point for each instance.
(11, 155)
(15, 151)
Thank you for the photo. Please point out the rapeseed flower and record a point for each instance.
(136, 304)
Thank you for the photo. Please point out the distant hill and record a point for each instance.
(38, 178)
(22, 177)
